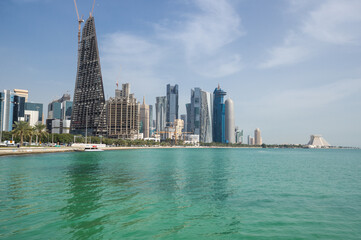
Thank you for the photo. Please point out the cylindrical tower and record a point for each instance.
(257, 137)
(229, 117)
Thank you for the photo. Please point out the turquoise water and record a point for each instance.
(182, 194)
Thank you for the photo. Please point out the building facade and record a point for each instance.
(219, 115)
(195, 113)
(89, 101)
(229, 125)
(160, 111)
(257, 137)
(172, 104)
(144, 118)
(122, 120)
(206, 116)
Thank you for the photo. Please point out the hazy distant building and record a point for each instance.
(250, 140)
(219, 115)
(257, 137)
(172, 103)
(205, 117)
(189, 116)
(229, 125)
(151, 125)
(122, 119)
(239, 135)
(160, 108)
(318, 141)
(144, 118)
(184, 118)
(88, 106)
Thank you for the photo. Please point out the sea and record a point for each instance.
(182, 193)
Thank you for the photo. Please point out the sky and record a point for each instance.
(292, 68)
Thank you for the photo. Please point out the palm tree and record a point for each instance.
(22, 129)
(39, 131)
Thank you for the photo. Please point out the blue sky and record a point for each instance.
(292, 68)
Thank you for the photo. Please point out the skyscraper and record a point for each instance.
(88, 105)
(144, 118)
(229, 118)
(189, 116)
(219, 115)
(195, 121)
(184, 118)
(257, 137)
(122, 115)
(206, 116)
(172, 103)
(160, 111)
(151, 127)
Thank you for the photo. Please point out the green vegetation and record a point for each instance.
(22, 129)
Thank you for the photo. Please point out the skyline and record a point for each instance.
(292, 72)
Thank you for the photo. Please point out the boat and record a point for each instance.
(92, 148)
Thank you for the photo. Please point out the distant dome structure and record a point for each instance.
(317, 141)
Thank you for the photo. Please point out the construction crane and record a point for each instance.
(80, 21)
(91, 13)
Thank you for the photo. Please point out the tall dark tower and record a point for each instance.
(88, 103)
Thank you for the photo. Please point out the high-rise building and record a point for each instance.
(59, 110)
(219, 115)
(7, 108)
(195, 113)
(151, 126)
(88, 107)
(22, 93)
(239, 135)
(33, 113)
(160, 111)
(144, 118)
(189, 116)
(19, 108)
(122, 119)
(172, 104)
(206, 116)
(54, 110)
(229, 118)
(184, 118)
(250, 140)
(257, 137)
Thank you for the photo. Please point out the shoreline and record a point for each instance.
(42, 150)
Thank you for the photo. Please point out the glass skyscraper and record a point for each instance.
(172, 103)
(219, 115)
(160, 111)
(206, 116)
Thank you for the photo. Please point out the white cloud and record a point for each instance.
(336, 22)
(331, 22)
(129, 58)
(309, 98)
(205, 37)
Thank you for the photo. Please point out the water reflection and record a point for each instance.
(84, 188)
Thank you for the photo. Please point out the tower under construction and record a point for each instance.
(88, 114)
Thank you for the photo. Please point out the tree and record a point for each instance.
(39, 131)
(22, 129)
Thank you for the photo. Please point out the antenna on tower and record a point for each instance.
(80, 21)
